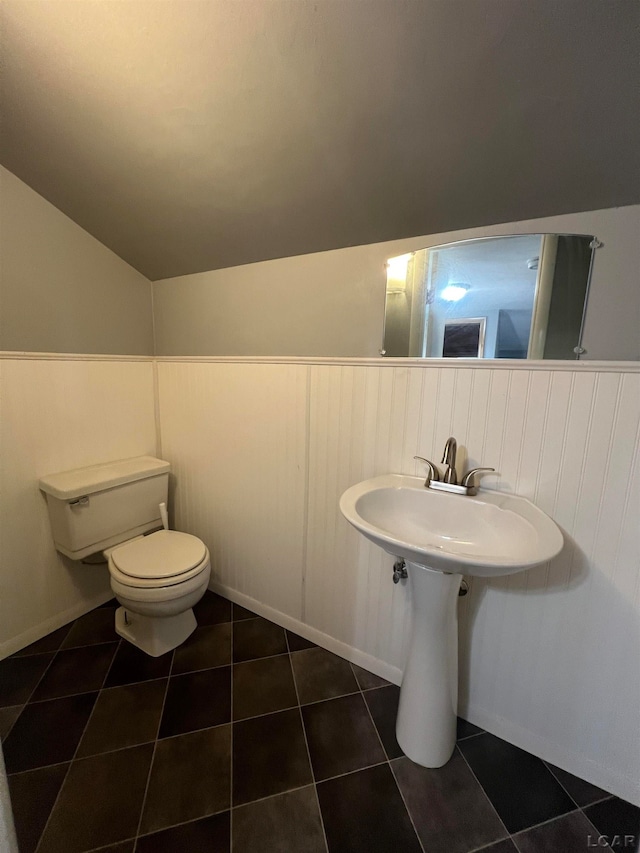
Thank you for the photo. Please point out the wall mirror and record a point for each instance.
(517, 297)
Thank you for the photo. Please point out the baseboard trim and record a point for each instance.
(375, 665)
(15, 644)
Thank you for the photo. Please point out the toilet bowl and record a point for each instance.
(158, 579)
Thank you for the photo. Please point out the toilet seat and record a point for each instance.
(162, 559)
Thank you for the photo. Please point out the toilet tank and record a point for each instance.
(93, 508)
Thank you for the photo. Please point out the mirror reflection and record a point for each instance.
(498, 297)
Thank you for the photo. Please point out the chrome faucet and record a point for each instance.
(449, 459)
(449, 481)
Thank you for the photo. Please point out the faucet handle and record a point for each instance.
(433, 473)
(467, 480)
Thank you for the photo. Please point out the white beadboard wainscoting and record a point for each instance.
(58, 413)
(261, 451)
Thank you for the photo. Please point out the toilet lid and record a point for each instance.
(164, 554)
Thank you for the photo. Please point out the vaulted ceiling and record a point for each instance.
(197, 134)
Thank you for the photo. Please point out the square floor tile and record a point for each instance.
(322, 675)
(212, 609)
(367, 680)
(117, 781)
(287, 822)
(383, 705)
(124, 716)
(130, 665)
(76, 671)
(207, 647)
(47, 732)
(450, 811)
(207, 835)
(197, 700)
(581, 792)
(269, 756)
(521, 788)
(571, 833)
(262, 686)
(50, 643)
(98, 626)
(615, 817)
(296, 643)
(8, 716)
(341, 736)
(32, 797)
(240, 613)
(122, 847)
(190, 779)
(363, 812)
(257, 638)
(19, 677)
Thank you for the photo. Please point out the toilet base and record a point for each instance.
(155, 635)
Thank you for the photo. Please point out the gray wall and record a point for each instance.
(322, 305)
(60, 289)
(332, 303)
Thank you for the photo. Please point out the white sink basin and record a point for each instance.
(486, 535)
(442, 536)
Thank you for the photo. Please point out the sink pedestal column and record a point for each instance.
(426, 725)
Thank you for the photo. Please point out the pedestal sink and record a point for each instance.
(442, 537)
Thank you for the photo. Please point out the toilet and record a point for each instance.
(157, 575)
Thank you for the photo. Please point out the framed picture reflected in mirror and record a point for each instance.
(464, 338)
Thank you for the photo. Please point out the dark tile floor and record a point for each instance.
(250, 738)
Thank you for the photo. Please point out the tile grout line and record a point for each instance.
(545, 822)
(388, 760)
(69, 626)
(68, 648)
(574, 810)
(137, 838)
(54, 655)
(468, 737)
(153, 754)
(306, 742)
(351, 772)
(482, 788)
(79, 692)
(4, 739)
(272, 796)
(491, 844)
(596, 830)
(573, 799)
(73, 758)
(109, 846)
(553, 775)
(599, 800)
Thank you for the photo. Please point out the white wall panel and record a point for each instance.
(548, 659)
(57, 414)
(235, 436)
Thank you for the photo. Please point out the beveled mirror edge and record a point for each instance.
(594, 245)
